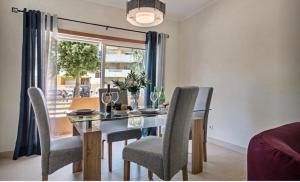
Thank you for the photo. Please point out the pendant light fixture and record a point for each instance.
(145, 13)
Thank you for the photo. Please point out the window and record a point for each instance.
(79, 66)
(119, 61)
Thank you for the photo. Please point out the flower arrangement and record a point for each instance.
(133, 82)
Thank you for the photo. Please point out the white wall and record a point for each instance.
(11, 43)
(249, 51)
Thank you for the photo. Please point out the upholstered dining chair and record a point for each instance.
(114, 135)
(57, 153)
(203, 103)
(168, 155)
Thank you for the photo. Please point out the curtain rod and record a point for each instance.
(16, 10)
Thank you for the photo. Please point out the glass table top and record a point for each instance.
(125, 115)
(96, 116)
(109, 126)
(118, 122)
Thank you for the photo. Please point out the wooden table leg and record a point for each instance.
(92, 156)
(126, 174)
(197, 146)
(77, 166)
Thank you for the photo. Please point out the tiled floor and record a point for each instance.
(223, 164)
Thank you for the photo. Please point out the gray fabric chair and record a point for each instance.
(203, 103)
(166, 156)
(112, 134)
(58, 153)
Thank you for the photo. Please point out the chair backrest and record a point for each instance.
(176, 138)
(203, 98)
(203, 103)
(42, 118)
(122, 94)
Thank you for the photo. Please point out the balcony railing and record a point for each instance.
(58, 107)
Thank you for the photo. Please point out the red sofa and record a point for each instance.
(275, 154)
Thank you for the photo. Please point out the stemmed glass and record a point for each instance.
(106, 99)
(115, 98)
(153, 97)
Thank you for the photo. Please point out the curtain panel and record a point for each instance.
(150, 64)
(155, 68)
(155, 62)
(161, 61)
(49, 47)
(35, 68)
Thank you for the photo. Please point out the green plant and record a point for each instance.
(133, 82)
(77, 59)
(138, 57)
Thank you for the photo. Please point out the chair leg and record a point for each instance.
(102, 149)
(185, 173)
(126, 170)
(125, 142)
(77, 166)
(45, 178)
(205, 152)
(110, 157)
(150, 175)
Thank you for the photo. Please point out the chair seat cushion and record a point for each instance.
(122, 135)
(147, 152)
(64, 151)
(117, 130)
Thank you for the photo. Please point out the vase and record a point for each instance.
(134, 100)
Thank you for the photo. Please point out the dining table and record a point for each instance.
(91, 126)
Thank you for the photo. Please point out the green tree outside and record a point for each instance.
(76, 59)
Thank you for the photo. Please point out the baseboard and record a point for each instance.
(8, 154)
(227, 145)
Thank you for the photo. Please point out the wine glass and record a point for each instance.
(106, 99)
(153, 97)
(115, 97)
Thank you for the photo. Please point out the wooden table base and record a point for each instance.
(91, 155)
(77, 166)
(197, 145)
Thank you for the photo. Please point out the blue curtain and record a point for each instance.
(150, 62)
(150, 65)
(27, 138)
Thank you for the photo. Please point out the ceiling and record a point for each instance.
(176, 9)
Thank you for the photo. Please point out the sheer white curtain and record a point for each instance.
(49, 63)
(161, 60)
(161, 63)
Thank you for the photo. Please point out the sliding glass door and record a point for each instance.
(84, 65)
(78, 79)
(119, 61)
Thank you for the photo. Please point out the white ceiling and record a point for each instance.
(176, 9)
